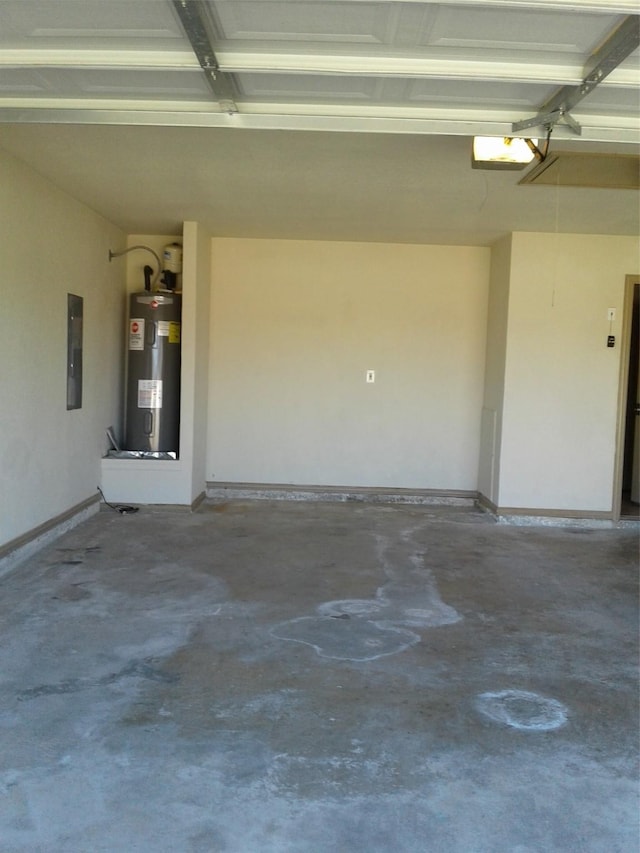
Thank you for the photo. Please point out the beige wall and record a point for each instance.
(561, 380)
(53, 245)
(295, 326)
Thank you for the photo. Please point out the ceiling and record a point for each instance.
(336, 120)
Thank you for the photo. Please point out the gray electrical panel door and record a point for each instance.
(153, 372)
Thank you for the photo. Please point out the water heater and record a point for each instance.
(152, 420)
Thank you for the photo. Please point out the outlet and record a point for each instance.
(611, 314)
(371, 376)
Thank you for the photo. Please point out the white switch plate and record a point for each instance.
(371, 376)
(611, 314)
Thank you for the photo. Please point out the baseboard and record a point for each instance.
(485, 503)
(15, 551)
(555, 513)
(361, 494)
(525, 516)
(197, 501)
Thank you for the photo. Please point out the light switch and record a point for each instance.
(371, 376)
(611, 314)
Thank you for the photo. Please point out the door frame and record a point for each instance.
(625, 348)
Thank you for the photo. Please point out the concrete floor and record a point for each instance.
(315, 677)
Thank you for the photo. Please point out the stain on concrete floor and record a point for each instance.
(376, 626)
(477, 692)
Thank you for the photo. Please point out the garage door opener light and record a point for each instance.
(505, 152)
